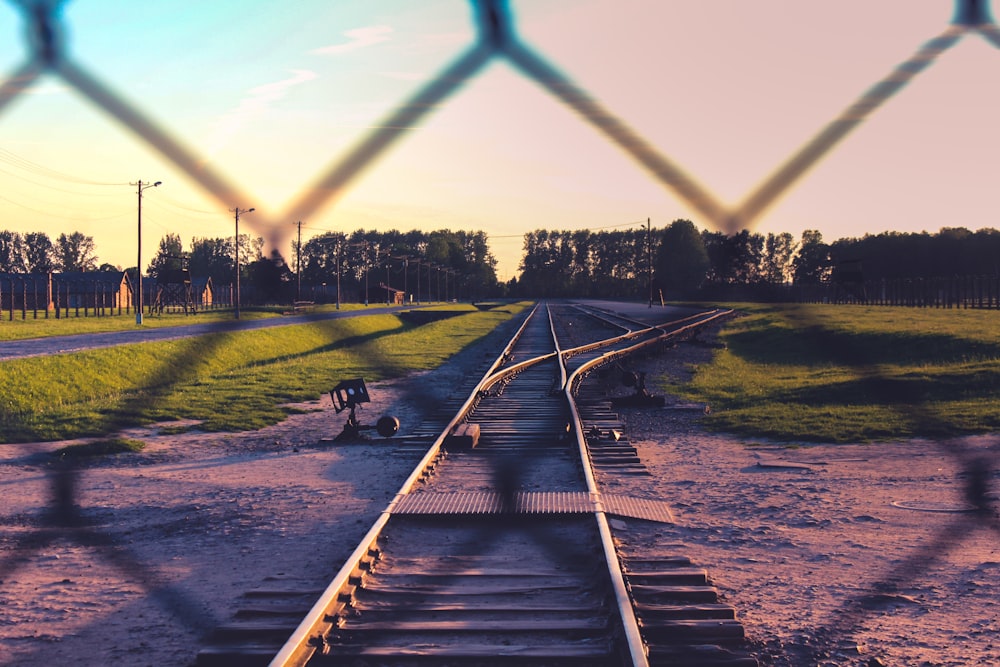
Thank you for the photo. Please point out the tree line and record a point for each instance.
(414, 261)
(680, 261)
(356, 260)
(35, 252)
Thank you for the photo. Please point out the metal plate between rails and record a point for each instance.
(532, 502)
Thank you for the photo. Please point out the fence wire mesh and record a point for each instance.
(496, 39)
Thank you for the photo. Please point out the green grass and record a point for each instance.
(231, 381)
(827, 373)
(101, 448)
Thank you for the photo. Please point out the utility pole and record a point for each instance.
(298, 265)
(368, 269)
(649, 260)
(237, 211)
(138, 262)
(417, 260)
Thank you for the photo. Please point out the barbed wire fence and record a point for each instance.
(496, 39)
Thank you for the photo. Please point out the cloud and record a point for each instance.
(358, 38)
(256, 103)
(263, 95)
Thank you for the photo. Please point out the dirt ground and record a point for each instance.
(857, 554)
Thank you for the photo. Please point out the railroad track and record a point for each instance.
(498, 549)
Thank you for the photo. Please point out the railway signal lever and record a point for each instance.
(641, 398)
(349, 394)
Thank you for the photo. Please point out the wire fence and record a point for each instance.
(58, 296)
(496, 40)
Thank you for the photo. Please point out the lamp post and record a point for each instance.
(368, 269)
(649, 261)
(405, 265)
(237, 211)
(138, 262)
(338, 273)
(416, 260)
(430, 293)
(388, 295)
(406, 268)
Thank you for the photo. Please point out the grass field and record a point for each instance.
(825, 373)
(231, 381)
(30, 327)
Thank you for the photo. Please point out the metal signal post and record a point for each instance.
(237, 211)
(138, 262)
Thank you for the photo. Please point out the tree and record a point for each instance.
(169, 257)
(682, 261)
(75, 252)
(319, 258)
(39, 253)
(270, 278)
(813, 263)
(477, 269)
(11, 252)
(212, 258)
(777, 264)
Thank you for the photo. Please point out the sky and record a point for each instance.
(272, 95)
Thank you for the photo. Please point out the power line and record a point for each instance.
(585, 229)
(16, 160)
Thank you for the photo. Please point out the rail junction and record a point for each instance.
(501, 547)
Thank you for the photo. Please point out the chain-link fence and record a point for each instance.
(496, 40)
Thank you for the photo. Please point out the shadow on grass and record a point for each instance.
(869, 388)
(340, 344)
(812, 342)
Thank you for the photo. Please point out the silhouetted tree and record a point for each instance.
(779, 249)
(39, 253)
(682, 261)
(75, 252)
(271, 279)
(11, 252)
(813, 263)
(212, 258)
(169, 257)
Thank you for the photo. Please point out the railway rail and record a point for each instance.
(499, 547)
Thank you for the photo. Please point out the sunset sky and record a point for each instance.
(270, 95)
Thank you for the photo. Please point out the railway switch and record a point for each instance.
(348, 395)
(641, 398)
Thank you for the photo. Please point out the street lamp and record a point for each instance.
(406, 269)
(417, 260)
(338, 273)
(388, 290)
(649, 261)
(237, 211)
(430, 292)
(138, 262)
